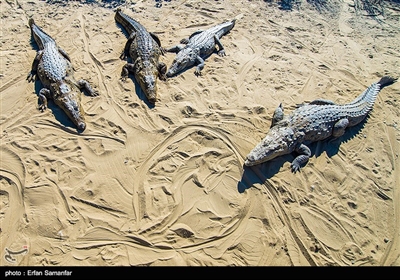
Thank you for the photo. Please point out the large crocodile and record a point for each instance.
(199, 46)
(312, 122)
(53, 66)
(145, 49)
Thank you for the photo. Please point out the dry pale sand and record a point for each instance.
(165, 185)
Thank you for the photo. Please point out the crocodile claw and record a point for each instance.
(222, 53)
(31, 77)
(295, 167)
(42, 107)
(94, 93)
(123, 56)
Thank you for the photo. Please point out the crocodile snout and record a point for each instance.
(152, 98)
(250, 160)
(170, 73)
(148, 84)
(81, 126)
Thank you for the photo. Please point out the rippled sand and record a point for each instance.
(165, 184)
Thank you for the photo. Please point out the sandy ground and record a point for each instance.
(165, 184)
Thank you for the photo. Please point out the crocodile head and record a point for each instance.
(279, 141)
(67, 97)
(146, 75)
(184, 59)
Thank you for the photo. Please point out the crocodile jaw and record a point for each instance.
(184, 59)
(74, 111)
(147, 79)
(278, 141)
(67, 97)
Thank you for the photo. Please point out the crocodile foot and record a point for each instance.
(222, 53)
(31, 77)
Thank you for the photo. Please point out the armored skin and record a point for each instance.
(145, 49)
(312, 122)
(200, 45)
(53, 67)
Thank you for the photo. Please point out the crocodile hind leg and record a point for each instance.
(278, 115)
(162, 70)
(186, 40)
(301, 159)
(221, 50)
(129, 67)
(32, 75)
(125, 52)
(322, 102)
(64, 54)
(44, 93)
(340, 127)
(155, 37)
(83, 84)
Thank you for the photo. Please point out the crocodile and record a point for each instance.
(198, 47)
(315, 121)
(55, 71)
(144, 48)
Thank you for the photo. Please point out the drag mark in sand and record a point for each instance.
(13, 212)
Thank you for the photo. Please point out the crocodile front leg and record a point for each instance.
(129, 67)
(32, 75)
(301, 159)
(83, 84)
(174, 49)
(278, 115)
(221, 50)
(44, 93)
(162, 70)
(200, 66)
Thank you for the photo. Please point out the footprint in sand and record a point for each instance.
(189, 199)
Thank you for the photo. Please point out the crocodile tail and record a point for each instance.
(40, 36)
(126, 21)
(386, 81)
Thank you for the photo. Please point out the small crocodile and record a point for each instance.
(312, 122)
(145, 49)
(199, 46)
(53, 67)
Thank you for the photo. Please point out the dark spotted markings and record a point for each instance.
(159, 3)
